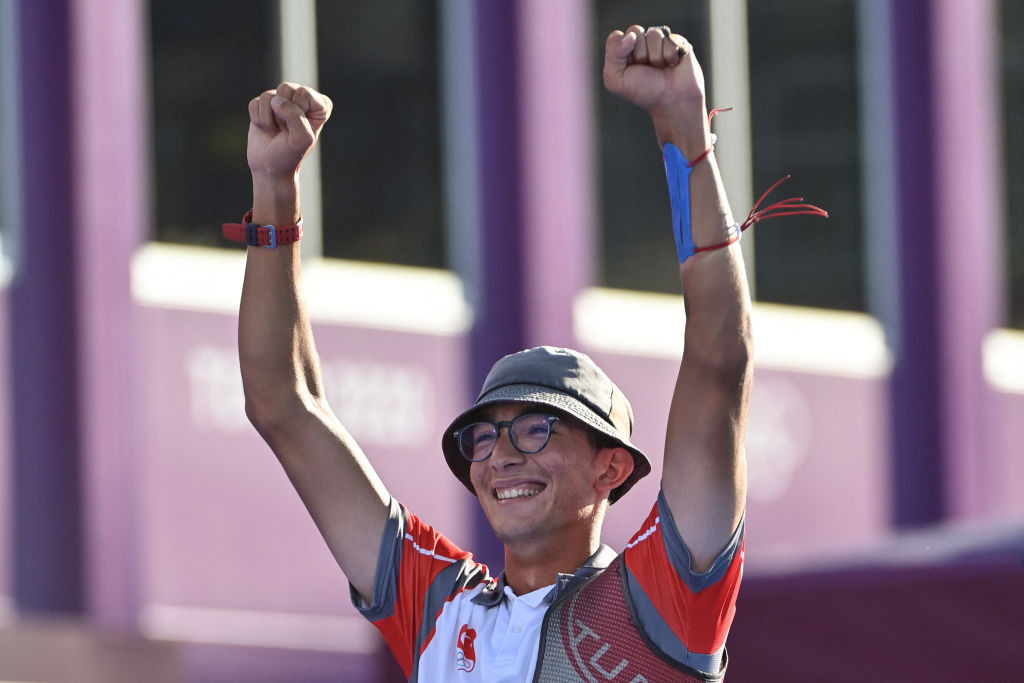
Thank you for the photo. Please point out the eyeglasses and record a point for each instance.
(529, 433)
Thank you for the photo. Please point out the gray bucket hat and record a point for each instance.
(563, 379)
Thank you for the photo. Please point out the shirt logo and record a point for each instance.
(465, 652)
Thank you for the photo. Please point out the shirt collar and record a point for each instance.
(494, 594)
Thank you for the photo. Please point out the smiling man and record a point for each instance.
(545, 448)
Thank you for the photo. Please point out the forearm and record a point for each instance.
(704, 471)
(280, 369)
(714, 282)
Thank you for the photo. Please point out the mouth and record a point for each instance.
(518, 491)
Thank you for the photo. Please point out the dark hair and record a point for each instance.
(597, 439)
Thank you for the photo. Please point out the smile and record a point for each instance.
(523, 491)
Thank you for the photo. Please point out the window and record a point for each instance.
(380, 154)
(381, 151)
(1011, 19)
(209, 60)
(636, 239)
(805, 122)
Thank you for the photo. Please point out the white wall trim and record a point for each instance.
(1003, 360)
(400, 298)
(794, 338)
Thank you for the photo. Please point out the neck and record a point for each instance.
(527, 569)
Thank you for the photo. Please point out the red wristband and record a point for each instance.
(256, 235)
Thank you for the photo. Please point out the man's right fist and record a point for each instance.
(284, 124)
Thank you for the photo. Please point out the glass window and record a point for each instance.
(382, 192)
(1011, 19)
(209, 60)
(636, 238)
(805, 122)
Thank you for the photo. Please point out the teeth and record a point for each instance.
(516, 492)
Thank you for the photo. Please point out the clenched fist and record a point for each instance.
(656, 70)
(284, 124)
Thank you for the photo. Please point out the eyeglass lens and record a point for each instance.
(528, 433)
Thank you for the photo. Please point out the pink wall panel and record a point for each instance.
(222, 526)
(1005, 484)
(817, 452)
(6, 502)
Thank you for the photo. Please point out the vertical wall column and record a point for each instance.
(559, 55)
(535, 148)
(498, 327)
(919, 451)
(43, 346)
(111, 179)
(498, 324)
(968, 232)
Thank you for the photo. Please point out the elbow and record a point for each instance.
(729, 356)
(735, 360)
(264, 415)
(272, 408)
(259, 413)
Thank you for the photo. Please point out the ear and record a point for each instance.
(614, 467)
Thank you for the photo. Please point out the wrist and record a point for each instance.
(256, 235)
(692, 143)
(687, 127)
(275, 199)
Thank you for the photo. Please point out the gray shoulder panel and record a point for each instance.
(661, 635)
(679, 554)
(385, 584)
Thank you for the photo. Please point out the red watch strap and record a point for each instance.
(257, 235)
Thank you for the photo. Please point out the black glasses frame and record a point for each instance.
(508, 424)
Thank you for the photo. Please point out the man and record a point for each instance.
(545, 448)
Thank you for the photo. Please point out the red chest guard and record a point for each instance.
(590, 635)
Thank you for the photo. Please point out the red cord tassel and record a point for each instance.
(792, 206)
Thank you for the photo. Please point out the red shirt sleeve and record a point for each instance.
(698, 608)
(423, 553)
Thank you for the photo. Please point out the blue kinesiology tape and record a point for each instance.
(678, 172)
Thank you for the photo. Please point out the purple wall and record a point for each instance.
(971, 287)
(221, 526)
(43, 335)
(1005, 493)
(884, 618)
(558, 156)
(111, 170)
(809, 437)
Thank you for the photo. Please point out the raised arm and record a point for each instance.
(284, 396)
(704, 474)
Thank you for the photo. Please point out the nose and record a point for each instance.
(505, 453)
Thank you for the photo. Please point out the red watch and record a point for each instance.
(256, 235)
